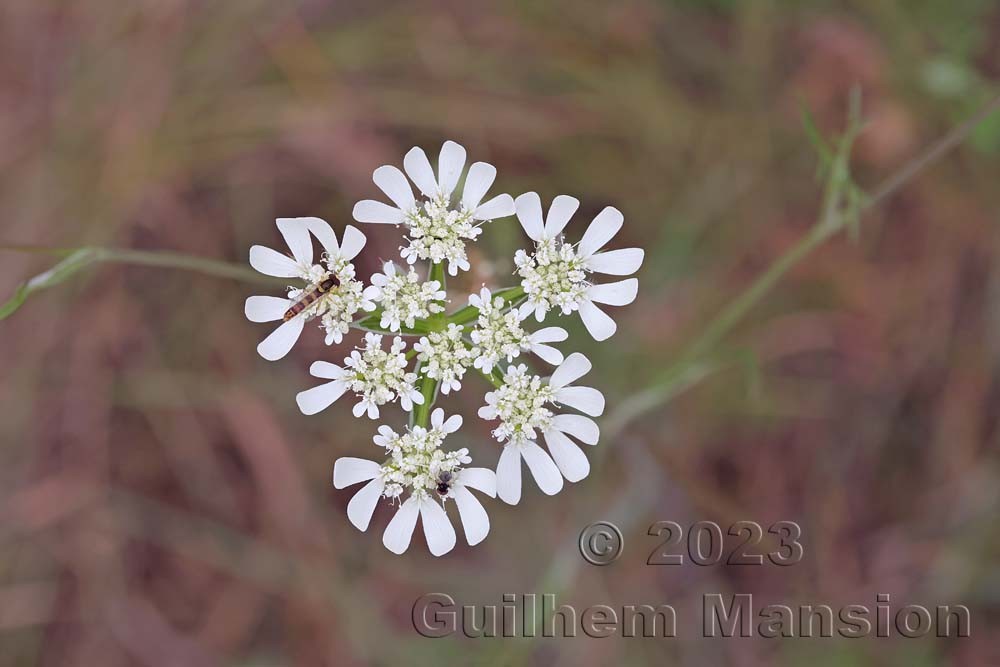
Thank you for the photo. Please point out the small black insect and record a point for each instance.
(444, 482)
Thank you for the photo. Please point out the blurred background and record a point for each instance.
(165, 503)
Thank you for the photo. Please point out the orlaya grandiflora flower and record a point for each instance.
(556, 274)
(417, 466)
(521, 404)
(404, 297)
(443, 356)
(539, 418)
(499, 335)
(335, 307)
(438, 225)
(377, 376)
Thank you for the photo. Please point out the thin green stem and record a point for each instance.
(422, 412)
(492, 379)
(437, 273)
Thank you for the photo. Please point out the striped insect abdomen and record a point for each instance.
(309, 298)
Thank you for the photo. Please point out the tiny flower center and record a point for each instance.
(521, 406)
(438, 232)
(554, 276)
(416, 463)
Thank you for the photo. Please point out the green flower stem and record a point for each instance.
(437, 273)
(492, 379)
(77, 259)
(421, 413)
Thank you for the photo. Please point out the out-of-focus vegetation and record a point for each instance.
(165, 503)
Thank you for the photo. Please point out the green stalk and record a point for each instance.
(437, 273)
(421, 413)
(492, 379)
(77, 259)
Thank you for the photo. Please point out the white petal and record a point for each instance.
(322, 230)
(560, 211)
(369, 210)
(549, 335)
(481, 479)
(582, 428)
(509, 475)
(348, 471)
(499, 207)
(352, 242)
(623, 262)
(418, 168)
(603, 228)
(574, 368)
(451, 161)
(438, 530)
(543, 469)
(480, 178)
(452, 424)
(320, 398)
(437, 418)
(396, 537)
(393, 183)
(529, 213)
(569, 458)
(585, 399)
(598, 323)
(620, 293)
(273, 263)
(547, 353)
(362, 505)
(326, 370)
(281, 340)
(524, 310)
(265, 308)
(295, 231)
(475, 520)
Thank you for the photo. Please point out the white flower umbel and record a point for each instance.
(336, 306)
(439, 224)
(404, 297)
(499, 335)
(444, 356)
(417, 466)
(543, 421)
(556, 274)
(521, 404)
(377, 376)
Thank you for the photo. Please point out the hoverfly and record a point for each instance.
(309, 297)
(444, 482)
